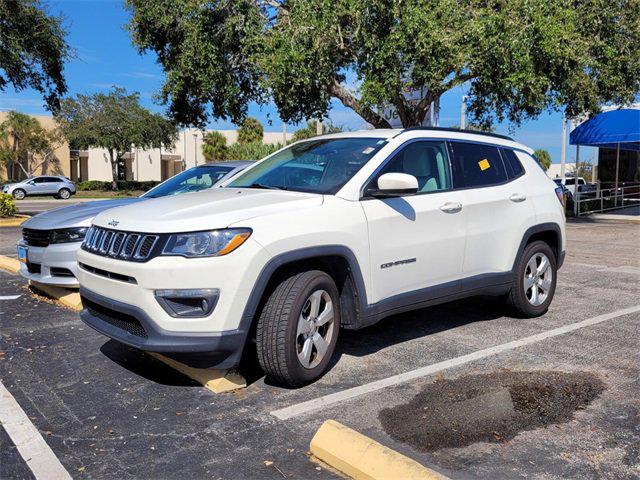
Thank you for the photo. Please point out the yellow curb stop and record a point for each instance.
(68, 298)
(13, 221)
(9, 264)
(360, 457)
(218, 381)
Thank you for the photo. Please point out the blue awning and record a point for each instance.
(608, 129)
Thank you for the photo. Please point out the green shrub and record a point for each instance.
(97, 185)
(250, 131)
(7, 205)
(250, 151)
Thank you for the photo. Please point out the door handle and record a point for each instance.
(518, 197)
(451, 207)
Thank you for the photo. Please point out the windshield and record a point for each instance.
(192, 180)
(316, 166)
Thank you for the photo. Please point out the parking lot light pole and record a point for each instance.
(195, 148)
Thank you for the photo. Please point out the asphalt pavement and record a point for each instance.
(561, 404)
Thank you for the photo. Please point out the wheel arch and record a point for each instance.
(550, 233)
(336, 260)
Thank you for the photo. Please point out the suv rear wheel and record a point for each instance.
(535, 282)
(64, 193)
(298, 328)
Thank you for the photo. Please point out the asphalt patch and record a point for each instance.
(488, 408)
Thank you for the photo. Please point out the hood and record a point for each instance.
(74, 215)
(205, 210)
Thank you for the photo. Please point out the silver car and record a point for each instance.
(50, 240)
(53, 185)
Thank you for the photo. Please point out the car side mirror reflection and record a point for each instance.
(395, 185)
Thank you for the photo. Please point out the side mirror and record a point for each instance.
(395, 185)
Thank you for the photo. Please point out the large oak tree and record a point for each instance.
(114, 121)
(33, 49)
(517, 57)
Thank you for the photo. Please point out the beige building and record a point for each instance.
(155, 164)
(59, 163)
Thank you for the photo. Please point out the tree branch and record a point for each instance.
(348, 100)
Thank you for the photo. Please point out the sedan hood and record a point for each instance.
(74, 215)
(205, 210)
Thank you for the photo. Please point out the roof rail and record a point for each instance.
(459, 130)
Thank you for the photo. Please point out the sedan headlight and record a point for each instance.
(68, 235)
(213, 243)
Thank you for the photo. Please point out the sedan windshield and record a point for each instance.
(192, 180)
(316, 166)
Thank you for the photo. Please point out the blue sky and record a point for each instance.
(105, 57)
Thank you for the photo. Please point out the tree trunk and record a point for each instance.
(114, 169)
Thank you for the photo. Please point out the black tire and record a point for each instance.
(520, 299)
(19, 194)
(63, 193)
(277, 330)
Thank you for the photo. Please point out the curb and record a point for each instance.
(13, 222)
(218, 381)
(360, 457)
(9, 264)
(68, 298)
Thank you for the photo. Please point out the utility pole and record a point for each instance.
(463, 113)
(284, 133)
(319, 128)
(563, 152)
(195, 147)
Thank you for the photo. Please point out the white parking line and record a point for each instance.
(32, 447)
(326, 400)
(10, 297)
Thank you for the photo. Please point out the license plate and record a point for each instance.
(22, 254)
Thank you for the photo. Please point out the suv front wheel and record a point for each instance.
(535, 281)
(298, 328)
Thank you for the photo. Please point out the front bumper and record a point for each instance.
(132, 326)
(54, 263)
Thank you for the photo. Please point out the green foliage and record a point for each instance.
(7, 205)
(33, 50)
(543, 156)
(311, 130)
(250, 151)
(96, 185)
(250, 131)
(518, 57)
(25, 143)
(114, 121)
(214, 147)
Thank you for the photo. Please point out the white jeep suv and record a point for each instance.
(332, 232)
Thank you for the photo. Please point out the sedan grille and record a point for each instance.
(122, 245)
(36, 238)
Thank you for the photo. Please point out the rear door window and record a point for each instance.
(476, 165)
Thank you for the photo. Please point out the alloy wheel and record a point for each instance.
(538, 277)
(315, 329)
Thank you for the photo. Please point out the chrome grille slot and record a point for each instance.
(116, 245)
(122, 245)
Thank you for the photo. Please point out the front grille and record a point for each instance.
(117, 319)
(105, 273)
(34, 267)
(36, 238)
(61, 272)
(121, 245)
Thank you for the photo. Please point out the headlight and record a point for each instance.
(68, 235)
(213, 243)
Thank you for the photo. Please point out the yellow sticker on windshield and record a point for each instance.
(484, 164)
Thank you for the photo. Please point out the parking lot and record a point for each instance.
(462, 388)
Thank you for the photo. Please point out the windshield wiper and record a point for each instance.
(267, 187)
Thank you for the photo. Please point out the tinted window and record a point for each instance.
(427, 161)
(51, 180)
(192, 180)
(319, 166)
(476, 165)
(570, 181)
(39, 180)
(511, 163)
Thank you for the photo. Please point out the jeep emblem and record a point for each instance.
(113, 223)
